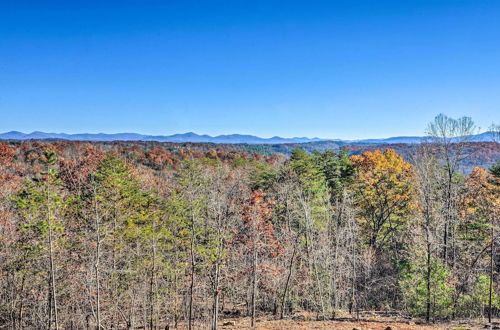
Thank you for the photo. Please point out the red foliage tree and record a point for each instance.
(258, 240)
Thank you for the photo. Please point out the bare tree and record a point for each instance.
(495, 132)
(427, 176)
(450, 136)
(225, 193)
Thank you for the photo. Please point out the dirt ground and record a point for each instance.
(364, 324)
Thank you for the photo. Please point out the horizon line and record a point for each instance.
(229, 134)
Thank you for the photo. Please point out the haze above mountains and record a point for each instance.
(220, 139)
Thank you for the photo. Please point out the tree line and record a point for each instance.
(95, 238)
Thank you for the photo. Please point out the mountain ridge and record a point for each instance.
(219, 139)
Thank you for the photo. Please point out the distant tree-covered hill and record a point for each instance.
(483, 154)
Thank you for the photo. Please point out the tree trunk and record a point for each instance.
(285, 290)
(53, 298)
(428, 303)
(151, 287)
(152, 278)
(191, 285)
(491, 273)
(254, 285)
(448, 215)
(220, 247)
(215, 307)
(96, 266)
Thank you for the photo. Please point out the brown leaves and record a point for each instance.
(160, 158)
(7, 154)
(258, 232)
(75, 171)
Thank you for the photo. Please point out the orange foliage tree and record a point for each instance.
(480, 207)
(481, 200)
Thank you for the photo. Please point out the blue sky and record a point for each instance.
(340, 69)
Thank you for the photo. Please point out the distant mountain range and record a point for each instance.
(220, 139)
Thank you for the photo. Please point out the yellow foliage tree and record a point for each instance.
(385, 193)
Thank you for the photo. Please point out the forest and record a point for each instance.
(125, 236)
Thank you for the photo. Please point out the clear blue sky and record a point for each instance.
(340, 69)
